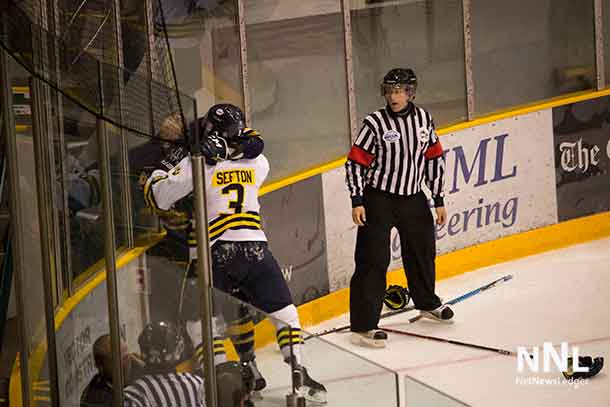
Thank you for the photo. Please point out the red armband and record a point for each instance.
(360, 156)
(433, 151)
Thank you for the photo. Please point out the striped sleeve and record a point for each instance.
(359, 159)
(133, 397)
(435, 167)
(164, 188)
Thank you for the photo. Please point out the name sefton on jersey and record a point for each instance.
(231, 193)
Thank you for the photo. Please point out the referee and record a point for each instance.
(162, 347)
(394, 152)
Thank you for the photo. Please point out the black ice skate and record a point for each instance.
(441, 314)
(374, 338)
(259, 381)
(310, 389)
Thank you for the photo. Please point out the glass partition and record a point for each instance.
(606, 33)
(296, 81)
(426, 36)
(30, 271)
(205, 44)
(421, 395)
(527, 51)
(348, 378)
(78, 328)
(81, 182)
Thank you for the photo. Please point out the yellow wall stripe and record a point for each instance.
(504, 114)
(20, 89)
(292, 179)
(37, 358)
(461, 261)
(337, 303)
(527, 108)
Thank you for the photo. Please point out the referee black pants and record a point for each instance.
(413, 219)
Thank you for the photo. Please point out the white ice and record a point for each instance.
(561, 295)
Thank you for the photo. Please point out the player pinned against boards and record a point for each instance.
(242, 263)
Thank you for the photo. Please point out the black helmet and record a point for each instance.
(396, 297)
(223, 120)
(161, 344)
(400, 78)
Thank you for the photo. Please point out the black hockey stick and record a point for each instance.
(344, 327)
(454, 342)
(594, 365)
(411, 308)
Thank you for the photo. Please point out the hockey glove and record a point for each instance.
(214, 149)
(594, 366)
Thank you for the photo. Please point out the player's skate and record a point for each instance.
(311, 390)
(374, 338)
(441, 314)
(259, 381)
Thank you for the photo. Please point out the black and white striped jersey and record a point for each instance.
(395, 153)
(165, 390)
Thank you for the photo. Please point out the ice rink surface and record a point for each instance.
(557, 296)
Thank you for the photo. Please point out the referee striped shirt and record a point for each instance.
(165, 390)
(395, 153)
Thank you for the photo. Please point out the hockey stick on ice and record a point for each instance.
(454, 342)
(411, 308)
(458, 299)
(595, 364)
(344, 327)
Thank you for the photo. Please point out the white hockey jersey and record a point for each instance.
(231, 193)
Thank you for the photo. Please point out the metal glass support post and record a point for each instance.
(109, 251)
(44, 189)
(126, 209)
(65, 241)
(294, 398)
(42, 59)
(204, 269)
(349, 71)
(600, 69)
(8, 122)
(466, 14)
(150, 45)
(243, 57)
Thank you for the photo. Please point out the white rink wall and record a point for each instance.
(500, 180)
(87, 321)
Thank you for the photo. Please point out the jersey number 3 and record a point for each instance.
(236, 204)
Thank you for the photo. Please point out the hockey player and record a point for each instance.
(242, 264)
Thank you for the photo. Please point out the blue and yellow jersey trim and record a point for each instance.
(246, 220)
(248, 132)
(216, 228)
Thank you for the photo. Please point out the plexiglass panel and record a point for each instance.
(296, 81)
(421, 395)
(426, 36)
(526, 51)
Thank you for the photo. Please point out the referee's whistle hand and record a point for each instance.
(358, 215)
(441, 215)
